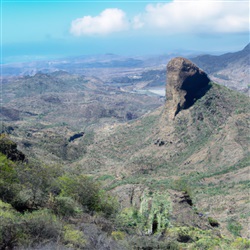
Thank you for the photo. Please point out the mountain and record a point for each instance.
(197, 143)
(80, 64)
(47, 109)
(176, 177)
(230, 69)
(140, 72)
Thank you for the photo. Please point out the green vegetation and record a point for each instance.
(37, 203)
(43, 203)
(73, 238)
(234, 227)
(118, 235)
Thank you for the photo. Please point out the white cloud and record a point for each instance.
(137, 22)
(201, 16)
(109, 21)
(176, 17)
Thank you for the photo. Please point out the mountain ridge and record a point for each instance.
(230, 69)
(181, 178)
(204, 142)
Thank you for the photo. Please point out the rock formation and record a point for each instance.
(9, 148)
(185, 84)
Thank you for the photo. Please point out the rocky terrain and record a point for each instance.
(186, 84)
(203, 149)
(178, 175)
(46, 110)
(230, 69)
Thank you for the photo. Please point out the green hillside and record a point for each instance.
(174, 178)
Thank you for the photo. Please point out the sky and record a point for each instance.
(50, 29)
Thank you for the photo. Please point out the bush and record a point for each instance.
(33, 229)
(183, 185)
(9, 192)
(66, 206)
(108, 204)
(118, 235)
(241, 243)
(9, 235)
(9, 183)
(41, 226)
(128, 218)
(81, 188)
(207, 243)
(87, 193)
(73, 238)
(37, 181)
(152, 243)
(9, 227)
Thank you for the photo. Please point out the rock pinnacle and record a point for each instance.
(185, 84)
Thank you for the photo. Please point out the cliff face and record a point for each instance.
(186, 84)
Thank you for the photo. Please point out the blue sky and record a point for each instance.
(46, 29)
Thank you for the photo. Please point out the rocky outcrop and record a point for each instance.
(9, 148)
(185, 84)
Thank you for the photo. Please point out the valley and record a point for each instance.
(169, 151)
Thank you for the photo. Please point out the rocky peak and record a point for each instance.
(185, 84)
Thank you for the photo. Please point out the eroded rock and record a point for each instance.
(186, 84)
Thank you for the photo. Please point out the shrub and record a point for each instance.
(128, 218)
(41, 226)
(118, 235)
(151, 243)
(66, 206)
(9, 228)
(73, 238)
(241, 243)
(108, 204)
(37, 181)
(207, 243)
(81, 188)
(8, 233)
(8, 192)
(9, 183)
(183, 185)
(87, 193)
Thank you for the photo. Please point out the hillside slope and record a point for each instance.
(45, 110)
(175, 178)
(230, 69)
(203, 150)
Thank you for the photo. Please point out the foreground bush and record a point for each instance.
(28, 229)
(41, 225)
(87, 193)
(73, 238)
